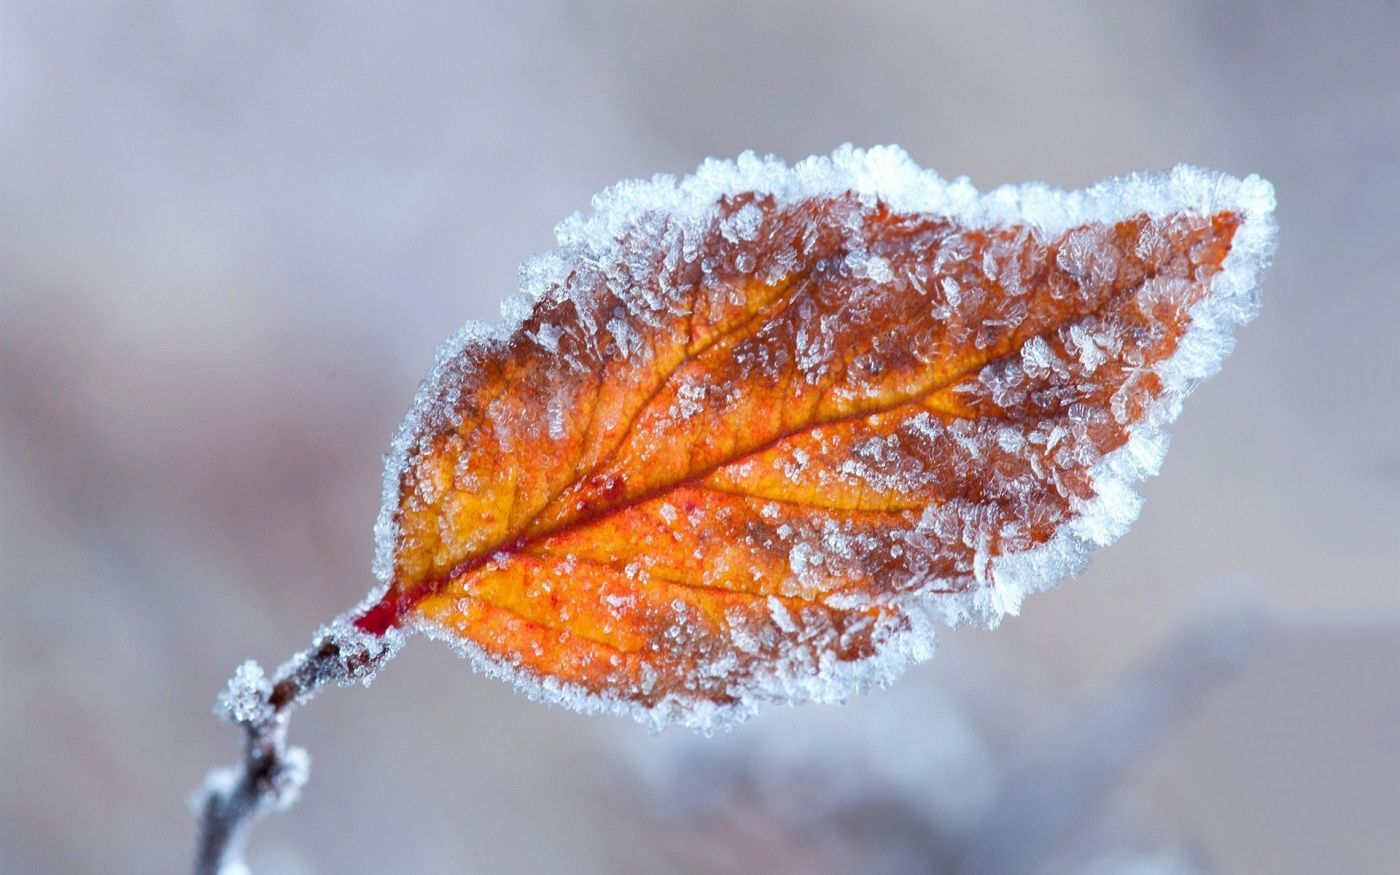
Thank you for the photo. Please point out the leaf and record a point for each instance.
(747, 435)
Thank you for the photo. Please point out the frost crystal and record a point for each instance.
(245, 700)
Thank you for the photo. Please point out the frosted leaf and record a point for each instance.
(872, 397)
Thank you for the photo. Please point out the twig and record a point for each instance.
(271, 775)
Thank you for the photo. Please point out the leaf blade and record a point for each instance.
(836, 391)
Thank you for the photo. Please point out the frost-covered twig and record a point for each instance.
(271, 774)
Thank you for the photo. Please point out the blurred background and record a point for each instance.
(233, 235)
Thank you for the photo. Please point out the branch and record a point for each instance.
(1073, 768)
(271, 775)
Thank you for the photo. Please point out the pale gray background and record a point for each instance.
(233, 234)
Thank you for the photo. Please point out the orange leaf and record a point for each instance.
(749, 433)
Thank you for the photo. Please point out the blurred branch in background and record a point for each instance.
(918, 788)
(1054, 781)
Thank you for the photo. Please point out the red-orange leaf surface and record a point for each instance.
(748, 434)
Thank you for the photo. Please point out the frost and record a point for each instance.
(872, 267)
(623, 334)
(878, 269)
(780, 615)
(557, 423)
(743, 225)
(1091, 355)
(952, 292)
(806, 561)
(516, 308)
(1036, 355)
(690, 400)
(245, 700)
(282, 786)
(548, 336)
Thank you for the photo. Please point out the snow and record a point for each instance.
(636, 225)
